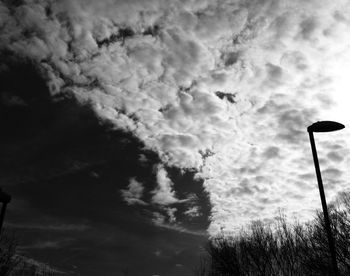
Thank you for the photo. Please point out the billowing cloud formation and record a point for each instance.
(164, 193)
(223, 87)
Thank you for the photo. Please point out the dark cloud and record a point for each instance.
(25, 101)
(74, 213)
(307, 176)
(230, 58)
(271, 152)
(308, 27)
(275, 73)
(335, 156)
(229, 96)
(66, 170)
(244, 189)
(123, 33)
(291, 124)
(332, 172)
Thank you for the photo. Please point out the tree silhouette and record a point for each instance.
(282, 248)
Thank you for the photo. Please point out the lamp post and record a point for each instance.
(4, 199)
(324, 126)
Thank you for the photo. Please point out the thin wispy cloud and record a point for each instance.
(162, 222)
(50, 227)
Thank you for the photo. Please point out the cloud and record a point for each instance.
(155, 68)
(164, 193)
(134, 193)
(161, 221)
(171, 213)
(51, 227)
(46, 245)
(41, 267)
(335, 156)
(193, 212)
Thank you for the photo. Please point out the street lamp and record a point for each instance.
(324, 126)
(4, 199)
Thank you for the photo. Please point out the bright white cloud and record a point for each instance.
(154, 67)
(164, 193)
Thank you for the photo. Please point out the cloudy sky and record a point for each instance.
(133, 130)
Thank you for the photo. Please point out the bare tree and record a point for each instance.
(13, 264)
(8, 257)
(282, 248)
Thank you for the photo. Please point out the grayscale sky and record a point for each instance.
(134, 130)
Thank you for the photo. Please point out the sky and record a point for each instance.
(133, 131)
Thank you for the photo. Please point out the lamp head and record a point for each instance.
(325, 126)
